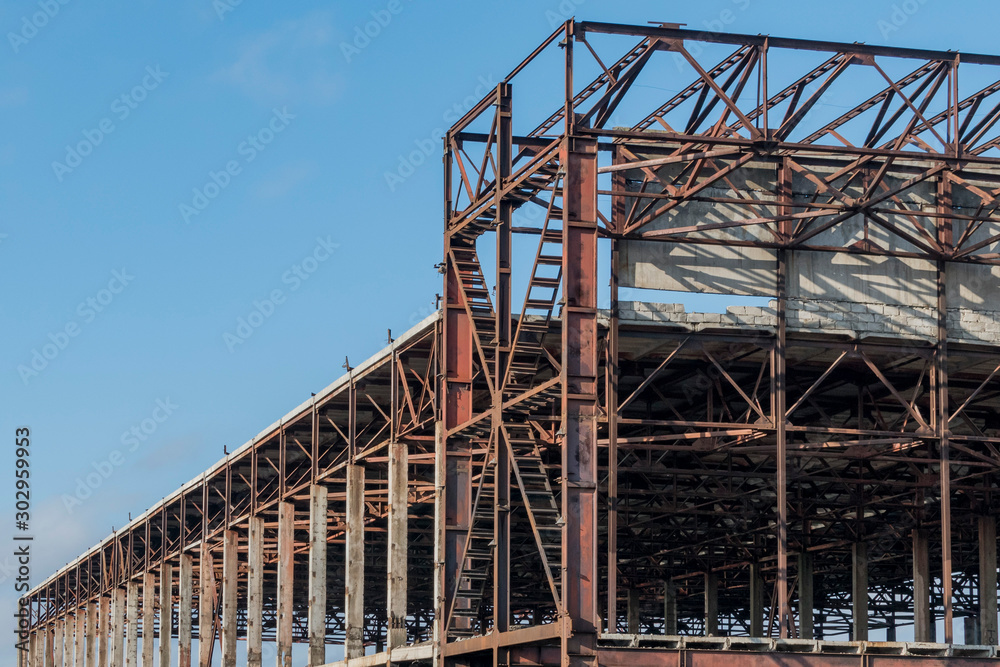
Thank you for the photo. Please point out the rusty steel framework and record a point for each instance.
(501, 483)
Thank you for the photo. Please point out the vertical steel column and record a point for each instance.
(806, 603)
(440, 543)
(987, 580)
(453, 506)
(230, 588)
(286, 581)
(354, 567)
(711, 604)
(922, 621)
(502, 468)
(132, 624)
(780, 380)
(859, 591)
(166, 611)
(756, 601)
(318, 497)
(579, 397)
(669, 608)
(611, 393)
(206, 606)
(634, 609)
(148, 617)
(398, 544)
(185, 593)
(456, 408)
(255, 592)
(941, 407)
(117, 628)
(103, 630)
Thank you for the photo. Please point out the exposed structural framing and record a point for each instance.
(543, 482)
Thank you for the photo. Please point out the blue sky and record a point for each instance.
(230, 151)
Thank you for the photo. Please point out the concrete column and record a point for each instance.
(67, 643)
(59, 643)
(988, 580)
(286, 581)
(806, 595)
(90, 639)
(132, 624)
(923, 626)
(255, 592)
(317, 574)
(756, 601)
(50, 646)
(859, 591)
(970, 628)
(103, 630)
(633, 615)
(81, 636)
(148, 618)
(398, 545)
(116, 652)
(206, 606)
(166, 612)
(354, 577)
(669, 608)
(711, 604)
(185, 593)
(230, 584)
(29, 661)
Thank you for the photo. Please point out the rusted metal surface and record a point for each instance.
(502, 479)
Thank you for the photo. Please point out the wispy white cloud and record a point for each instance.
(293, 61)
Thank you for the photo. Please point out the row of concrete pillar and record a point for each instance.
(985, 627)
(105, 632)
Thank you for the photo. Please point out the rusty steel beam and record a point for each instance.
(579, 399)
